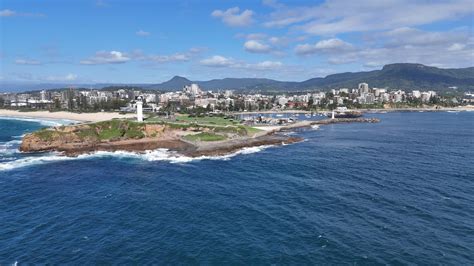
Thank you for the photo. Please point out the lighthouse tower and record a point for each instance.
(139, 109)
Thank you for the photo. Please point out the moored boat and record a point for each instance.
(345, 114)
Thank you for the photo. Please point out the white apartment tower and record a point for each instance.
(363, 88)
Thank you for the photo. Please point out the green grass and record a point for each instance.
(111, 133)
(219, 127)
(215, 123)
(207, 120)
(87, 133)
(45, 134)
(204, 136)
(134, 134)
(114, 129)
(251, 130)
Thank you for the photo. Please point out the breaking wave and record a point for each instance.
(9, 147)
(42, 121)
(151, 156)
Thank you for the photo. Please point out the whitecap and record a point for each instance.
(42, 121)
(28, 161)
(150, 156)
(9, 147)
(171, 156)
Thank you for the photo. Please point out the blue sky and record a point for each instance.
(144, 41)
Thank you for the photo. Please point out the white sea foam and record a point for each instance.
(42, 121)
(28, 161)
(151, 156)
(315, 127)
(9, 147)
(171, 156)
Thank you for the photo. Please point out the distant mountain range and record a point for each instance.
(393, 76)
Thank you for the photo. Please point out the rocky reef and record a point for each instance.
(188, 139)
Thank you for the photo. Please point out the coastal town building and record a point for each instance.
(192, 98)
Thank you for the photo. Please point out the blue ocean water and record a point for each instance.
(397, 192)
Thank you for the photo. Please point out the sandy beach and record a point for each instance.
(82, 117)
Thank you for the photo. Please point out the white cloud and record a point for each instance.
(176, 57)
(424, 54)
(412, 36)
(68, 77)
(12, 13)
(339, 16)
(142, 33)
(401, 45)
(217, 61)
(23, 61)
(104, 57)
(279, 41)
(255, 46)
(232, 17)
(456, 47)
(267, 65)
(7, 13)
(168, 58)
(329, 45)
(221, 62)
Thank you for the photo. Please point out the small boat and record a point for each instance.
(348, 114)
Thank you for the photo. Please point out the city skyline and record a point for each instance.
(146, 42)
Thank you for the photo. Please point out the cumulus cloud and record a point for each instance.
(255, 46)
(24, 61)
(232, 17)
(329, 45)
(217, 61)
(142, 33)
(267, 65)
(105, 57)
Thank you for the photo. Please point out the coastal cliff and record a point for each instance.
(188, 139)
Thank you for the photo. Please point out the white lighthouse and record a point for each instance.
(139, 109)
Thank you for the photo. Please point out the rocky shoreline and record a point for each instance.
(171, 140)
